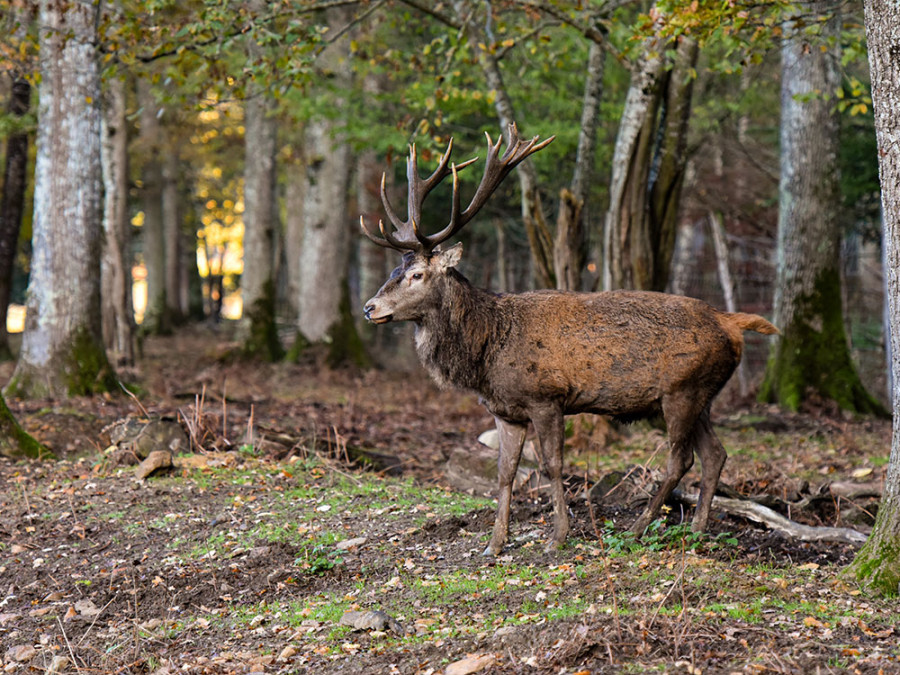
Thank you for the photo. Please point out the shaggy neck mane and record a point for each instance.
(455, 336)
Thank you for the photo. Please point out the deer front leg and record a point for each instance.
(550, 427)
(512, 437)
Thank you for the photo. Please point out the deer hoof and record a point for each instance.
(490, 552)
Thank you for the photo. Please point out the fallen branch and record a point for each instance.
(762, 514)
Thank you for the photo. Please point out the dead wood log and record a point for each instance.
(761, 514)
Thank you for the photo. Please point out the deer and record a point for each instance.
(538, 356)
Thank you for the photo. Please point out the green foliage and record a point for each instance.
(660, 537)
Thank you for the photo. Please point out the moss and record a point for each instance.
(298, 348)
(876, 566)
(262, 340)
(80, 370)
(812, 355)
(86, 368)
(346, 346)
(16, 442)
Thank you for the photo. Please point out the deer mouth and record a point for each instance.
(381, 319)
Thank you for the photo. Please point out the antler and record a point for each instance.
(408, 237)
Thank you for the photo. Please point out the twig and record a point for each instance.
(68, 644)
(135, 399)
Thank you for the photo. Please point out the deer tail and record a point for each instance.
(752, 322)
(735, 324)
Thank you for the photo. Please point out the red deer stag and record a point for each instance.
(536, 357)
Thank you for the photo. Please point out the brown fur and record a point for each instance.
(535, 357)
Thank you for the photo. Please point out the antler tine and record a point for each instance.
(404, 242)
(372, 237)
(495, 170)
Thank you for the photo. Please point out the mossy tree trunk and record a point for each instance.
(62, 349)
(877, 565)
(14, 441)
(812, 354)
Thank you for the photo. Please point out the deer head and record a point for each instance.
(404, 296)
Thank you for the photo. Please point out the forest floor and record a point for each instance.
(249, 554)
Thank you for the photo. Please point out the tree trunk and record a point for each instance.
(720, 244)
(153, 238)
(14, 441)
(812, 354)
(12, 202)
(172, 240)
(570, 246)
(877, 565)
(294, 199)
(324, 303)
(649, 164)
(373, 263)
(258, 278)
(115, 271)
(62, 349)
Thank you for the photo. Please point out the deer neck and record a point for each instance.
(457, 337)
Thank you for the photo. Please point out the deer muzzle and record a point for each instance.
(370, 311)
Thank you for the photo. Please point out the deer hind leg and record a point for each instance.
(512, 437)
(712, 459)
(550, 427)
(681, 422)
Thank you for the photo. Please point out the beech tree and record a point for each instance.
(877, 565)
(62, 349)
(812, 352)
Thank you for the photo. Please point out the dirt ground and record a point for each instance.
(248, 556)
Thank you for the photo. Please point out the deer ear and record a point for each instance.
(450, 257)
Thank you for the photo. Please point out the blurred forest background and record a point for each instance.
(170, 162)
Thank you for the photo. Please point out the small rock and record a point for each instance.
(6, 617)
(371, 620)
(87, 608)
(156, 461)
(21, 653)
(350, 543)
(470, 664)
(57, 665)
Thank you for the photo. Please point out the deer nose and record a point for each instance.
(368, 309)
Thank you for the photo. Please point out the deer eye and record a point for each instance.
(416, 276)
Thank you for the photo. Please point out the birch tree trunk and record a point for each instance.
(877, 565)
(812, 353)
(62, 349)
(257, 280)
(12, 201)
(115, 270)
